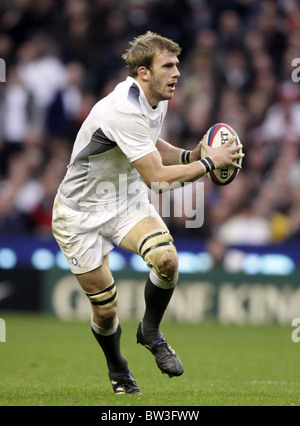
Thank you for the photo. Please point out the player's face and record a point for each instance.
(164, 75)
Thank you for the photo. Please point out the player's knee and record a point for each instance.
(159, 252)
(105, 317)
(104, 304)
(167, 264)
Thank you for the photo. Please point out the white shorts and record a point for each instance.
(86, 237)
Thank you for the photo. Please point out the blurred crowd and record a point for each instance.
(236, 67)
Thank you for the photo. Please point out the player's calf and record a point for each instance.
(107, 329)
(159, 252)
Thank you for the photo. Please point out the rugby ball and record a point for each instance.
(217, 135)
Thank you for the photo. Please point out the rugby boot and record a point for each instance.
(124, 383)
(166, 358)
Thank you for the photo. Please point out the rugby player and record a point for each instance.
(102, 200)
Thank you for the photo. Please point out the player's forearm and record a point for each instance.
(170, 154)
(160, 177)
(176, 174)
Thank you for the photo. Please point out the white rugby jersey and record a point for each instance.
(121, 128)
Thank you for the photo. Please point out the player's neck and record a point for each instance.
(152, 101)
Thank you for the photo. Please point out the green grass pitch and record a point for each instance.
(46, 362)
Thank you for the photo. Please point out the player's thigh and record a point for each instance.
(97, 279)
(143, 227)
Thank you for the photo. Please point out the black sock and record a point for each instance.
(116, 362)
(157, 300)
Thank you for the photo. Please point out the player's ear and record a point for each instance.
(144, 73)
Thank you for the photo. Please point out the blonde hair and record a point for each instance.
(143, 49)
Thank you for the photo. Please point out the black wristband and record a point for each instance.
(208, 164)
(185, 157)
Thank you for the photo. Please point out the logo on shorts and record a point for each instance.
(74, 261)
